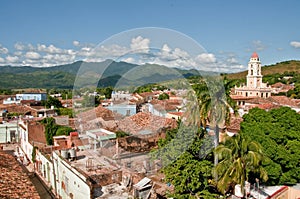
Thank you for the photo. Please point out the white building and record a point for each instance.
(31, 96)
(9, 132)
(254, 86)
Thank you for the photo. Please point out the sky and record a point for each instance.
(47, 33)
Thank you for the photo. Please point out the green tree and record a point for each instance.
(238, 157)
(90, 101)
(63, 130)
(52, 101)
(65, 111)
(163, 96)
(185, 167)
(214, 102)
(278, 132)
(52, 129)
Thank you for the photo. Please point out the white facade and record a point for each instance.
(31, 96)
(254, 86)
(9, 132)
(26, 147)
(70, 183)
(11, 100)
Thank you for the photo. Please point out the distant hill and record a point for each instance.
(280, 68)
(106, 73)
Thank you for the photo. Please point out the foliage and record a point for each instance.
(65, 111)
(187, 164)
(295, 93)
(150, 88)
(6, 92)
(279, 68)
(90, 101)
(163, 96)
(278, 132)
(13, 114)
(105, 91)
(52, 129)
(63, 130)
(65, 93)
(238, 157)
(52, 101)
(120, 134)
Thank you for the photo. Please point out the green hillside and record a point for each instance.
(110, 73)
(106, 73)
(280, 68)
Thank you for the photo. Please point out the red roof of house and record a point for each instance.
(177, 113)
(283, 101)
(254, 55)
(15, 183)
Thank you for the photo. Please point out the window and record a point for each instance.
(12, 135)
(67, 184)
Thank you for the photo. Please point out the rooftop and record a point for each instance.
(14, 182)
(254, 55)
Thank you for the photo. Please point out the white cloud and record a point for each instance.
(206, 58)
(49, 49)
(129, 60)
(19, 46)
(32, 55)
(12, 59)
(232, 60)
(76, 43)
(295, 44)
(258, 45)
(18, 53)
(137, 52)
(102, 52)
(3, 50)
(140, 44)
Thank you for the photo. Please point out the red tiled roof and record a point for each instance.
(234, 124)
(14, 108)
(145, 121)
(237, 97)
(258, 100)
(283, 101)
(177, 113)
(14, 182)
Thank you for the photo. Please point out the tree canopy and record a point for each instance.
(278, 131)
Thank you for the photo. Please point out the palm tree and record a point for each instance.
(211, 105)
(238, 156)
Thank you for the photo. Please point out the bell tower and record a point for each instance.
(254, 77)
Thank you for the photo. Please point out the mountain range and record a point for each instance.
(81, 74)
(109, 73)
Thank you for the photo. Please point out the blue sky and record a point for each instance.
(45, 33)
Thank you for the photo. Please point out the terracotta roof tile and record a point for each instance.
(145, 121)
(14, 183)
(283, 101)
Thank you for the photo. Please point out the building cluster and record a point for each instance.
(255, 93)
(93, 161)
(96, 160)
(258, 94)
